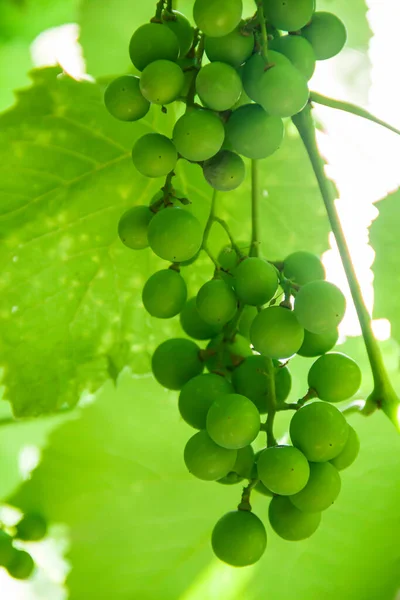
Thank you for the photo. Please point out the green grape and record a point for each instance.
(176, 361)
(123, 99)
(242, 468)
(283, 91)
(164, 294)
(194, 326)
(321, 491)
(251, 380)
(253, 133)
(225, 171)
(319, 306)
(303, 267)
(198, 394)
(21, 565)
(320, 431)
(298, 50)
(248, 315)
(154, 155)
(31, 528)
(233, 49)
(217, 18)
(260, 487)
(243, 100)
(198, 135)
(335, 377)
(218, 86)
(239, 538)
(276, 333)
(227, 354)
(326, 34)
(254, 69)
(288, 15)
(188, 66)
(162, 82)
(233, 421)
(289, 522)
(283, 469)
(183, 30)
(151, 42)
(175, 235)
(349, 453)
(205, 460)
(216, 302)
(256, 281)
(133, 227)
(318, 343)
(228, 259)
(6, 549)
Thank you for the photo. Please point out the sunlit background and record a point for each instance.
(364, 162)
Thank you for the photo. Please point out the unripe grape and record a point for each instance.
(233, 421)
(326, 34)
(289, 522)
(303, 267)
(283, 469)
(283, 91)
(218, 86)
(228, 259)
(198, 135)
(318, 343)
(260, 487)
(175, 361)
(319, 306)
(288, 15)
(175, 235)
(21, 565)
(124, 100)
(133, 227)
(206, 460)
(233, 49)
(256, 281)
(225, 171)
(248, 315)
(216, 302)
(183, 30)
(6, 549)
(31, 528)
(227, 354)
(242, 468)
(239, 538)
(194, 326)
(253, 133)
(321, 491)
(251, 380)
(153, 41)
(162, 82)
(320, 431)
(219, 17)
(298, 50)
(164, 294)
(198, 394)
(275, 332)
(335, 377)
(254, 69)
(349, 453)
(154, 155)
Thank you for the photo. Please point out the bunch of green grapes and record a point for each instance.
(241, 328)
(19, 563)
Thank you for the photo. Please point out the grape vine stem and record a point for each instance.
(264, 35)
(207, 229)
(383, 395)
(350, 108)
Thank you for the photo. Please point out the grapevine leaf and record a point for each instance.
(384, 240)
(117, 479)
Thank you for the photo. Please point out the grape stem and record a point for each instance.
(350, 108)
(356, 406)
(234, 246)
(255, 212)
(245, 500)
(207, 230)
(159, 10)
(264, 35)
(383, 395)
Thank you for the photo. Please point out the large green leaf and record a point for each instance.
(70, 308)
(140, 525)
(384, 236)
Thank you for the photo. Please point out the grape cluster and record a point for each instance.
(19, 563)
(245, 324)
